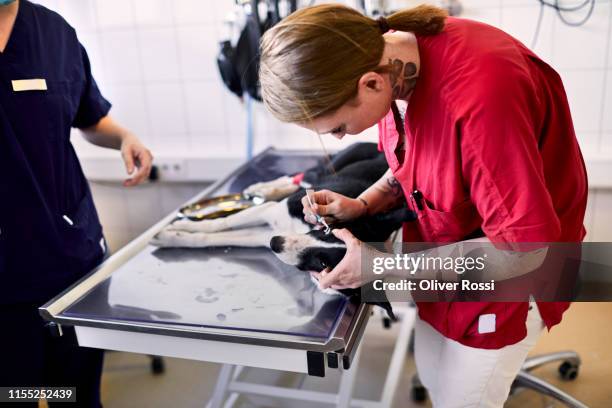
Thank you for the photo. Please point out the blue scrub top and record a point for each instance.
(50, 234)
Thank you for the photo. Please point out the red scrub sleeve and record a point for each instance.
(502, 166)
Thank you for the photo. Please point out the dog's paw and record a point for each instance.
(255, 189)
(273, 190)
(168, 238)
(164, 239)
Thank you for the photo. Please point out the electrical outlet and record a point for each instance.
(172, 169)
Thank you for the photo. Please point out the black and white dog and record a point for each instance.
(280, 224)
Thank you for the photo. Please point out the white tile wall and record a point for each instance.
(121, 56)
(166, 109)
(520, 22)
(584, 47)
(130, 106)
(584, 89)
(198, 53)
(112, 13)
(607, 105)
(204, 109)
(81, 14)
(194, 12)
(152, 12)
(511, 3)
(91, 40)
(487, 12)
(159, 53)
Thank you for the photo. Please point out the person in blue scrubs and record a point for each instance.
(50, 235)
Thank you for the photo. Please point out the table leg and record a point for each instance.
(347, 382)
(225, 375)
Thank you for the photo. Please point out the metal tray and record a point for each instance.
(217, 207)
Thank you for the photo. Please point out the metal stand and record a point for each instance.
(249, 125)
(570, 362)
(228, 381)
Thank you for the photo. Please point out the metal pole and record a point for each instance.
(249, 129)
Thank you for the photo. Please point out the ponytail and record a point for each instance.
(421, 20)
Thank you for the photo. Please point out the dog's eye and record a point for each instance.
(323, 264)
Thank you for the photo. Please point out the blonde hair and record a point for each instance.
(312, 60)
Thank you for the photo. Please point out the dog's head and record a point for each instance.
(313, 251)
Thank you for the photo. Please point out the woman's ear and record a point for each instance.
(371, 81)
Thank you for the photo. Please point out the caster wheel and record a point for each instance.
(419, 394)
(157, 366)
(568, 371)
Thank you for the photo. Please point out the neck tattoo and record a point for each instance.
(403, 77)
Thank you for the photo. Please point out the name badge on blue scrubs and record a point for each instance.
(21, 85)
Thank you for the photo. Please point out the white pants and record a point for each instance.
(460, 376)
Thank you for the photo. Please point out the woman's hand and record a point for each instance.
(333, 207)
(107, 133)
(348, 273)
(136, 157)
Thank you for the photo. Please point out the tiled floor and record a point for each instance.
(587, 328)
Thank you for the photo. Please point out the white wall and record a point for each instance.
(155, 61)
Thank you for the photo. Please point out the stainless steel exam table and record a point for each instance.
(235, 306)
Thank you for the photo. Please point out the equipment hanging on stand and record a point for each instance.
(238, 57)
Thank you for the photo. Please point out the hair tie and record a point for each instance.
(383, 24)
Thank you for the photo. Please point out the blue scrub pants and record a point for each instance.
(31, 356)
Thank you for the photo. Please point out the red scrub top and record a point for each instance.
(491, 146)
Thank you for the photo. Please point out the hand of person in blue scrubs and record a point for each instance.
(137, 158)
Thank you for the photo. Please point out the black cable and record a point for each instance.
(576, 23)
(556, 5)
(560, 10)
(536, 34)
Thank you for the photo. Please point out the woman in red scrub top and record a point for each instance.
(484, 147)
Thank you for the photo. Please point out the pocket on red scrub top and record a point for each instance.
(447, 226)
